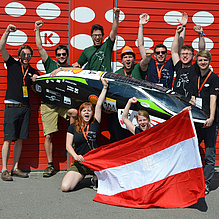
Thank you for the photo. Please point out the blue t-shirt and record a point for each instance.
(166, 73)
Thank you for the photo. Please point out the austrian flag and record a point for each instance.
(160, 167)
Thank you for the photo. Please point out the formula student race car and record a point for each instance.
(71, 88)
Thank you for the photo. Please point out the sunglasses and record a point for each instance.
(23, 54)
(63, 54)
(162, 52)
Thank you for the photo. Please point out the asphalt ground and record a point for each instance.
(38, 197)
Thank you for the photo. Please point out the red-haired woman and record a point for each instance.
(142, 117)
(83, 134)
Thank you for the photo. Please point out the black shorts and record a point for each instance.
(16, 123)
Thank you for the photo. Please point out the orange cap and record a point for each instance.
(127, 49)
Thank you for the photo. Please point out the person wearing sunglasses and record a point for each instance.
(159, 71)
(182, 60)
(49, 112)
(20, 76)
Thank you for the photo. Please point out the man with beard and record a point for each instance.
(204, 94)
(185, 71)
(17, 107)
(131, 69)
(159, 71)
(49, 112)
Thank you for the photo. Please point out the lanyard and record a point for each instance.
(126, 73)
(24, 74)
(200, 88)
(85, 135)
(159, 71)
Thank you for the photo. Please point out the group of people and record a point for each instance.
(195, 81)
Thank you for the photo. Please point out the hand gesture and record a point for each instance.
(54, 72)
(133, 100)
(198, 29)
(144, 19)
(149, 52)
(38, 24)
(184, 19)
(104, 82)
(179, 29)
(116, 11)
(79, 158)
(11, 28)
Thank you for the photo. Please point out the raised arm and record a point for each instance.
(201, 44)
(175, 45)
(125, 119)
(4, 52)
(143, 20)
(101, 98)
(183, 22)
(41, 50)
(115, 24)
(144, 62)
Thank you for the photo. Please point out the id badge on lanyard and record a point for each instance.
(198, 102)
(24, 87)
(25, 91)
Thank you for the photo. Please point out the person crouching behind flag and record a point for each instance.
(83, 133)
(142, 117)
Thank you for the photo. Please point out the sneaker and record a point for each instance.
(49, 171)
(207, 190)
(95, 183)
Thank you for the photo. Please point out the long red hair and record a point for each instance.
(80, 122)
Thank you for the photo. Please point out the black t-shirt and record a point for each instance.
(210, 87)
(138, 130)
(15, 81)
(184, 77)
(81, 146)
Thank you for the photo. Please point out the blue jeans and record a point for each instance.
(209, 136)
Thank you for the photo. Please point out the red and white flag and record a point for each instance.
(160, 167)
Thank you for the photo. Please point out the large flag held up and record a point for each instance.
(160, 167)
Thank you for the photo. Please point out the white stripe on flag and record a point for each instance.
(173, 160)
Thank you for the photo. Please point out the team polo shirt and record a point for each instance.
(166, 74)
(15, 81)
(50, 65)
(210, 87)
(98, 57)
(135, 73)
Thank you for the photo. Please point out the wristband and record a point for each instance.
(202, 33)
(184, 25)
(140, 25)
(6, 32)
(60, 68)
(117, 16)
(36, 29)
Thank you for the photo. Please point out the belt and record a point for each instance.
(15, 105)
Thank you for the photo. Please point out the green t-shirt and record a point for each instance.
(98, 58)
(50, 65)
(135, 73)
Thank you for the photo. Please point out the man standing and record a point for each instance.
(159, 71)
(99, 55)
(185, 71)
(17, 107)
(131, 69)
(49, 112)
(205, 91)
